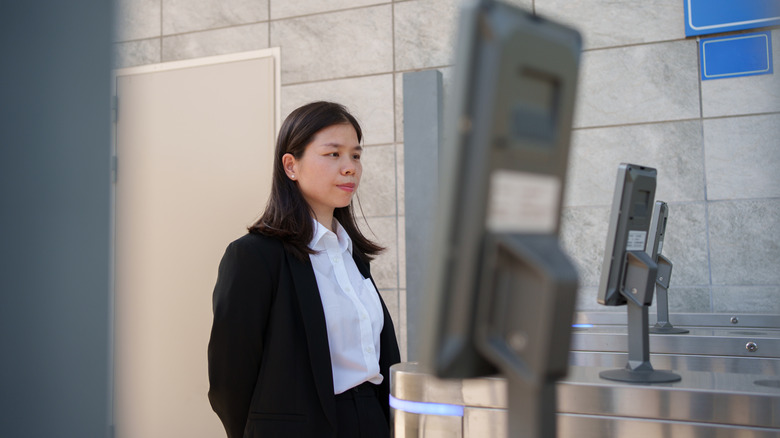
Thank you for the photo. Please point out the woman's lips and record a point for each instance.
(349, 187)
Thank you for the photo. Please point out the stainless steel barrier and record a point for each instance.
(730, 387)
(716, 364)
(700, 341)
(702, 404)
(686, 319)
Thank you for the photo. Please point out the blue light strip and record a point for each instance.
(426, 408)
(582, 325)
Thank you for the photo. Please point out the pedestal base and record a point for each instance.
(660, 330)
(654, 376)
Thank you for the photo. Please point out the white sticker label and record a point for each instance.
(523, 202)
(636, 240)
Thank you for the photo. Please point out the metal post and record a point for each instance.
(662, 325)
(641, 270)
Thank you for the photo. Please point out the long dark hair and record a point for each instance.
(288, 216)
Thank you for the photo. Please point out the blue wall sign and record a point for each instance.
(736, 55)
(715, 16)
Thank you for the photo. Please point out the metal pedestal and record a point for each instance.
(702, 404)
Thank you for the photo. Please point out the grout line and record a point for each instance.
(704, 176)
(269, 25)
(334, 11)
(656, 122)
(161, 30)
(623, 46)
(383, 73)
(395, 161)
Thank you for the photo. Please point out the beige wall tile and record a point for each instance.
(674, 149)
(398, 105)
(390, 297)
(686, 300)
(335, 45)
(607, 23)
(746, 299)
(647, 83)
(583, 237)
(744, 95)
(370, 99)
(424, 31)
(744, 248)
(377, 190)
(288, 8)
(215, 42)
(137, 19)
(742, 156)
(384, 268)
(586, 301)
(685, 244)
(135, 53)
(193, 15)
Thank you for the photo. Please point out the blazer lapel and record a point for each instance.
(316, 332)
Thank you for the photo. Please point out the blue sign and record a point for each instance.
(736, 55)
(715, 16)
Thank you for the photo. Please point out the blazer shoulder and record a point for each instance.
(257, 246)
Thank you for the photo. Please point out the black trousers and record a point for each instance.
(360, 414)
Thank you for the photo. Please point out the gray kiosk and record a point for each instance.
(502, 292)
(628, 275)
(655, 245)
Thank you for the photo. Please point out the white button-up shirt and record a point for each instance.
(353, 313)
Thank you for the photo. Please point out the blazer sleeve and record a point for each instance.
(242, 300)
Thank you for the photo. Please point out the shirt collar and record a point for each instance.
(323, 238)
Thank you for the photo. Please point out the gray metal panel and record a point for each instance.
(735, 320)
(409, 425)
(717, 364)
(483, 422)
(587, 426)
(55, 144)
(422, 136)
(700, 341)
(704, 397)
(718, 398)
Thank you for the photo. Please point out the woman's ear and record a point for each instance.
(290, 165)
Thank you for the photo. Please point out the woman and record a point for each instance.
(301, 342)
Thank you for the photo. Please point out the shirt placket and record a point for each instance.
(336, 256)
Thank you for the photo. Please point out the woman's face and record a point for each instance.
(328, 172)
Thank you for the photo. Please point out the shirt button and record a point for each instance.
(335, 260)
(369, 350)
(348, 289)
(362, 316)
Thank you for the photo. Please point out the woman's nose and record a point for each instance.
(348, 168)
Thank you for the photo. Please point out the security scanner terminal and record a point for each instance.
(502, 291)
(655, 245)
(628, 274)
(499, 355)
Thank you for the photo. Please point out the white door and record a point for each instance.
(194, 145)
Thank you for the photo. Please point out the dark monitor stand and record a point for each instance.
(629, 273)
(654, 248)
(501, 292)
(523, 324)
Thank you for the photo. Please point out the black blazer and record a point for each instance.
(269, 363)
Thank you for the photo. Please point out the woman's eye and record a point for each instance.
(333, 154)
(356, 157)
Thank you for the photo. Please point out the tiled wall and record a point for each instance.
(716, 144)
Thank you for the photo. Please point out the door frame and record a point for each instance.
(273, 52)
